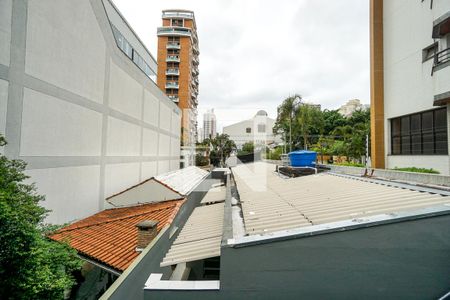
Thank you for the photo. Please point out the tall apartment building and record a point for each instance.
(410, 84)
(178, 67)
(209, 124)
(79, 103)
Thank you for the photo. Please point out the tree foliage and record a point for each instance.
(31, 266)
(325, 131)
(221, 148)
(248, 147)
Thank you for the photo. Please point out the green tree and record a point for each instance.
(248, 147)
(31, 266)
(331, 120)
(221, 148)
(287, 119)
(309, 121)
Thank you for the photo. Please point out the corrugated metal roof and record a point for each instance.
(184, 180)
(110, 236)
(200, 237)
(215, 195)
(271, 203)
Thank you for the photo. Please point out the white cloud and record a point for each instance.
(254, 53)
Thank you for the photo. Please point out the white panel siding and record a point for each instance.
(175, 147)
(51, 127)
(176, 123)
(123, 138)
(66, 47)
(150, 142)
(125, 93)
(5, 30)
(119, 177)
(164, 145)
(151, 109)
(164, 117)
(70, 193)
(163, 166)
(149, 169)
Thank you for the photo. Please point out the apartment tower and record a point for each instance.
(178, 67)
(410, 84)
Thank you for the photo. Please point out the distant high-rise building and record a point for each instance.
(178, 68)
(209, 124)
(351, 106)
(200, 135)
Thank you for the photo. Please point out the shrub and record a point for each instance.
(417, 170)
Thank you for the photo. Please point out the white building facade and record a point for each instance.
(79, 103)
(414, 80)
(258, 130)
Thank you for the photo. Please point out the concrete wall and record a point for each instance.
(409, 86)
(408, 260)
(433, 179)
(83, 116)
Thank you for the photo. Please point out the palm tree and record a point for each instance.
(286, 115)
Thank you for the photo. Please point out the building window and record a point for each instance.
(261, 128)
(248, 130)
(177, 22)
(126, 48)
(429, 52)
(421, 133)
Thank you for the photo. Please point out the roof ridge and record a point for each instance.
(120, 218)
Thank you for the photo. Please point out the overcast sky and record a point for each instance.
(255, 53)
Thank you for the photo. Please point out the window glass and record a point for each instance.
(420, 133)
(428, 143)
(395, 127)
(416, 127)
(248, 130)
(405, 126)
(427, 121)
(406, 144)
(261, 127)
(396, 145)
(416, 144)
(440, 118)
(441, 143)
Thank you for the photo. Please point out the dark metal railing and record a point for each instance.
(442, 57)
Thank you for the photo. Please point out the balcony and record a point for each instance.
(173, 45)
(442, 59)
(172, 85)
(173, 58)
(173, 31)
(174, 98)
(178, 14)
(173, 72)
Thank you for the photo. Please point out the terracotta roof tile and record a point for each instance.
(110, 236)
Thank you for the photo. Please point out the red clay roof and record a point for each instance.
(110, 236)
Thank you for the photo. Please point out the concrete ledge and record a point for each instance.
(423, 178)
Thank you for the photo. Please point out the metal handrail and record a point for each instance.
(442, 57)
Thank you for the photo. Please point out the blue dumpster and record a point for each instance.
(303, 158)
